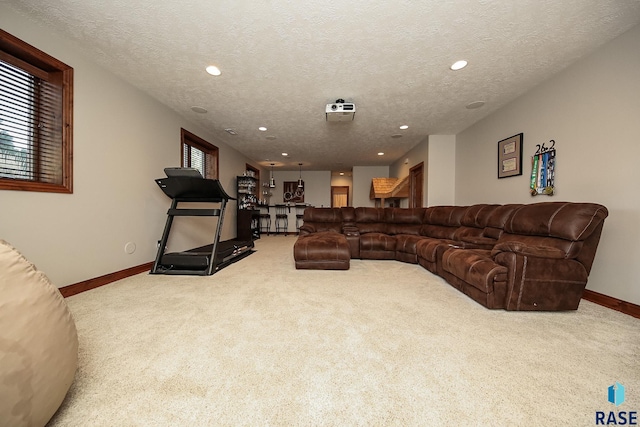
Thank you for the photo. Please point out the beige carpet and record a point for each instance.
(385, 343)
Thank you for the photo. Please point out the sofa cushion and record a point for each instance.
(323, 250)
(497, 220)
(444, 215)
(475, 267)
(564, 220)
(404, 221)
(370, 220)
(476, 216)
(427, 247)
(348, 216)
(377, 241)
(407, 243)
(322, 219)
(441, 222)
(568, 248)
(473, 222)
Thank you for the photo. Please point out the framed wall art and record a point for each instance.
(291, 193)
(510, 156)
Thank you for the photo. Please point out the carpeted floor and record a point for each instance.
(384, 343)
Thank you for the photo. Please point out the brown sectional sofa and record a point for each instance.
(515, 257)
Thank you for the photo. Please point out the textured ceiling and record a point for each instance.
(283, 61)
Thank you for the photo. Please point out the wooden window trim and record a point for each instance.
(22, 55)
(189, 138)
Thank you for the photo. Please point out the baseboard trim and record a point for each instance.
(612, 303)
(86, 285)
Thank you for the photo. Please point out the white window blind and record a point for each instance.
(199, 154)
(30, 127)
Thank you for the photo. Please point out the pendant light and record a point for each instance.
(272, 181)
(300, 182)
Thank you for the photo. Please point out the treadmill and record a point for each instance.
(186, 185)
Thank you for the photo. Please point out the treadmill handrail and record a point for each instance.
(190, 189)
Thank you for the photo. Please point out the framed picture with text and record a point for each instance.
(510, 156)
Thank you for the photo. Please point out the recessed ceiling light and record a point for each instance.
(197, 109)
(396, 135)
(270, 137)
(262, 128)
(381, 154)
(474, 105)
(403, 127)
(213, 70)
(285, 154)
(231, 131)
(341, 173)
(459, 65)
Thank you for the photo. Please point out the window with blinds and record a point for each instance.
(35, 119)
(199, 154)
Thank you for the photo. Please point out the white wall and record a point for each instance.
(317, 186)
(592, 111)
(362, 176)
(122, 141)
(441, 170)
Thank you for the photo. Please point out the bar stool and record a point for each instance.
(265, 223)
(299, 215)
(282, 219)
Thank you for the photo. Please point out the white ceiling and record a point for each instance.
(283, 61)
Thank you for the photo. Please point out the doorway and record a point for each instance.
(416, 180)
(339, 196)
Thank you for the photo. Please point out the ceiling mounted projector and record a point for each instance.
(340, 111)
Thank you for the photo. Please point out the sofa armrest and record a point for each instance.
(527, 250)
(353, 237)
(479, 242)
(465, 245)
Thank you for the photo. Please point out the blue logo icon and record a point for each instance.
(616, 394)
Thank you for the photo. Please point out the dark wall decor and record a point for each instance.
(291, 193)
(510, 156)
(543, 170)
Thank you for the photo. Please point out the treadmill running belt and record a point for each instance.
(199, 258)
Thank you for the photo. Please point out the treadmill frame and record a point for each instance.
(192, 189)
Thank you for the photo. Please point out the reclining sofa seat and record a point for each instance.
(439, 227)
(470, 235)
(405, 226)
(372, 228)
(493, 228)
(541, 261)
(473, 222)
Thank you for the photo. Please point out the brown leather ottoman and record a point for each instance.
(325, 250)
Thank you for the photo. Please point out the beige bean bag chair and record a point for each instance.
(38, 343)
